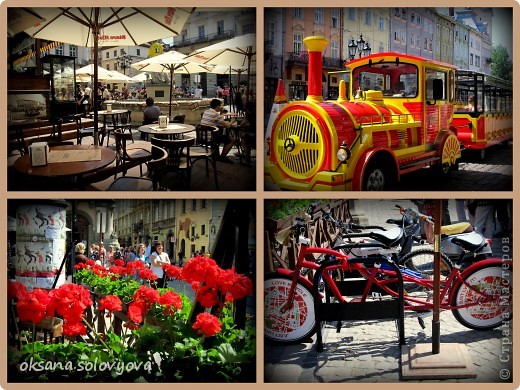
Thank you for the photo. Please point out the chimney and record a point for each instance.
(315, 45)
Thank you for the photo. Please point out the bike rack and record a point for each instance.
(356, 311)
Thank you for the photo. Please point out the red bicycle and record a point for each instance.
(480, 297)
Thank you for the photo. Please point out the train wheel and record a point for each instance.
(377, 176)
(450, 155)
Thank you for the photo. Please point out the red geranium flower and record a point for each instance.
(207, 296)
(70, 301)
(147, 274)
(172, 271)
(117, 270)
(137, 264)
(91, 263)
(119, 263)
(81, 266)
(110, 303)
(207, 324)
(73, 329)
(135, 314)
(197, 268)
(236, 284)
(170, 300)
(15, 289)
(145, 297)
(32, 306)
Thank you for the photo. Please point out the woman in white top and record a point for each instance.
(158, 259)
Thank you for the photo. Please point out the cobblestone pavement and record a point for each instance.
(493, 173)
(368, 351)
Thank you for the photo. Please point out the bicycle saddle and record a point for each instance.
(389, 237)
(456, 228)
(470, 241)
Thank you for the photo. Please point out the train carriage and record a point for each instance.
(483, 112)
(395, 117)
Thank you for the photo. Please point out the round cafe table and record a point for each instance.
(66, 169)
(173, 130)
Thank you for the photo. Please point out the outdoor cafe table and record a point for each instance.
(173, 130)
(66, 165)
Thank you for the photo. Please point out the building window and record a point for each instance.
(334, 15)
(334, 49)
(220, 27)
(122, 52)
(202, 230)
(425, 43)
(193, 231)
(139, 52)
(201, 32)
(418, 20)
(298, 13)
(403, 36)
(318, 15)
(203, 203)
(368, 18)
(107, 55)
(412, 18)
(59, 50)
(352, 14)
(412, 39)
(194, 205)
(73, 51)
(382, 23)
(397, 12)
(108, 67)
(297, 43)
(183, 206)
(477, 61)
(403, 13)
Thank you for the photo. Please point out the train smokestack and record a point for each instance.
(315, 45)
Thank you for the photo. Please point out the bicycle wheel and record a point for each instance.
(496, 282)
(293, 325)
(419, 263)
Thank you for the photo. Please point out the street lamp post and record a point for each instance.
(362, 47)
(124, 61)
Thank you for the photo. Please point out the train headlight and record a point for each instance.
(344, 153)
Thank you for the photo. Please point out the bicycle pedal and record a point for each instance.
(421, 322)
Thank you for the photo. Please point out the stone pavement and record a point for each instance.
(368, 351)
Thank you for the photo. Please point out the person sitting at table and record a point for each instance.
(212, 117)
(151, 112)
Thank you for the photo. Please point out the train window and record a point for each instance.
(393, 79)
(433, 74)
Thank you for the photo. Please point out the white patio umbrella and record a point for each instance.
(116, 26)
(140, 77)
(118, 76)
(171, 62)
(238, 51)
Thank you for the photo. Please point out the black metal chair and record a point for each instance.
(206, 148)
(152, 181)
(129, 157)
(178, 161)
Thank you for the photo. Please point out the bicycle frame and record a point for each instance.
(448, 286)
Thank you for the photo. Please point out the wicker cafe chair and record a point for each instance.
(178, 159)
(149, 183)
(206, 148)
(129, 157)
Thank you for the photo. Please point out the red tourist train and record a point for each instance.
(395, 116)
